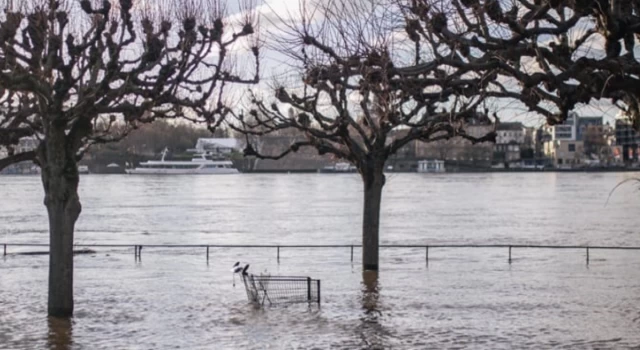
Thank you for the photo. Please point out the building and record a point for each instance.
(541, 136)
(510, 136)
(628, 140)
(507, 152)
(564, 131)
(588, 123)
(216, 146)
(529, 138)
(565, 153)
(431, 166)
(510, 132)
(574, 128)
(598, 143)
(577, 141)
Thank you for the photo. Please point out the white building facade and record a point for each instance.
(216, 146)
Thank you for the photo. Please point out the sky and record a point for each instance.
(276, 66)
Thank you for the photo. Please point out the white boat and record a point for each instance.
(197, 165)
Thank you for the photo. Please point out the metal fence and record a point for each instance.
(278, 247)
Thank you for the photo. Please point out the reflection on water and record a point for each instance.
(371, 331)
(370, 292)
(60, 333)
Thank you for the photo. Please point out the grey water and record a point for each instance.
(464, 298)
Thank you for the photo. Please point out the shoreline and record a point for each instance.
(457, 171)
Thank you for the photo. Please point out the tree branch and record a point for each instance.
(17, 158)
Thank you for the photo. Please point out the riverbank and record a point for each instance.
(463, 170)
(449, 171)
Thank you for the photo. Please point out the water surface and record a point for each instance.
(465, 298)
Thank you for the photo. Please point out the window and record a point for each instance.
(572, 147)
(559, 161)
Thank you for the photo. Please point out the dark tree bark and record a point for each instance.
(60, 180)
(373, 180)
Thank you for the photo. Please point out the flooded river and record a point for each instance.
(464, 298)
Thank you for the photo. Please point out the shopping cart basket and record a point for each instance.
(281, 289)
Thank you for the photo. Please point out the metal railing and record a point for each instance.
(278, 247)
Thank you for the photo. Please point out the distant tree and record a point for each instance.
(362, 82)
(151, 139)
(71, 70)
(560, 54)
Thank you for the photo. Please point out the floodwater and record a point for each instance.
(464, 298)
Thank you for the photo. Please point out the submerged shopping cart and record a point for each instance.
(281, 289)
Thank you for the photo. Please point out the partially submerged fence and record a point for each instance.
(278, 247)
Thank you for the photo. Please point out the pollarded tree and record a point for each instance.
(563, 54)
(369, 87)
(71, 69)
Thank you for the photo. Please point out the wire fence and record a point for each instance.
(278, 247)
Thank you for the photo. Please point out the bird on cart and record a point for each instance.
(237, 269)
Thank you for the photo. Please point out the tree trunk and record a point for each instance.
(60, 181)
(373, 178)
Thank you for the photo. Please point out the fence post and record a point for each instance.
(308, 289)
(318, 292)
(427, 254)
(509, 254)
(587, 255)
(207, 254)
(139, 253)
(352, 253)
(5, 250)
(135, 252)
(278, 253)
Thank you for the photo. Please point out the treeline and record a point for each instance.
(147, 142)
(151, 139)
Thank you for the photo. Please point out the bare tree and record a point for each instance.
(70, 70)
(373, 80)
(562, 54)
